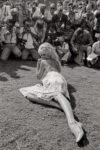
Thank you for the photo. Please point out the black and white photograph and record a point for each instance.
(49, 74)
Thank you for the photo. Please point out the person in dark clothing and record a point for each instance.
(97, 25)
(81, 43)
(62, 25)
(60, 20)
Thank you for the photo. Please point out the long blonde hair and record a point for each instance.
(50, 53)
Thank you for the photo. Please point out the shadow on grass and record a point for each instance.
(70, 65)
(53, 104)
(11, 67)
(72, 100)
(84, 141)
(3, 79)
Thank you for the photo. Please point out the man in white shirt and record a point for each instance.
(96, 47)
(9, 37)
(30, 44)
(94, 57)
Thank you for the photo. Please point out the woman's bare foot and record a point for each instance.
(76, 128)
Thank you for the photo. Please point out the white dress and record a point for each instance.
(52, 84)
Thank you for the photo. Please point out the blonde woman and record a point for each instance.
(53, 87)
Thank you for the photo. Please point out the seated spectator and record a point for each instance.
(79, 12)
(97, 7)
(62, 25)
(89, 14)
(96, 47)
(60, 20)
(94, 58)
(50, 13)
(31, 9)
(1, 12)
(34, 37)
(72, 15)
(39, 30)
(90, 17)
(9, 37)
(84, 6)
(97, 24)
(14, 14)
(86, 23)
(65, 6)
(70, 12)
(93, 5)
(81, 43)
(40, 12)
(20, 15)
(34, 7)
(6, 12)
(63, 51)
(24, 11)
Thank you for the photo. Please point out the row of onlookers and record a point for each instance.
(74, 31)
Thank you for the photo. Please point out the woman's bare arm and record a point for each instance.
(40, 69)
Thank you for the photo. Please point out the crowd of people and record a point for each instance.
(72, 28)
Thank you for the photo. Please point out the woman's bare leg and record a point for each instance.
(75, 126)
(64, 105)
(34, 99)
